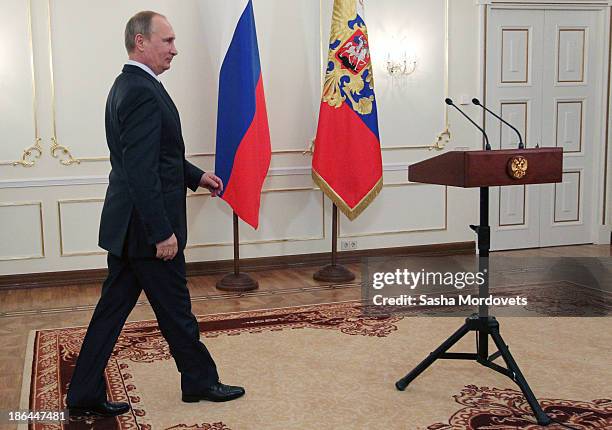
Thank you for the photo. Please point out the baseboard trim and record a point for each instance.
(75, 277)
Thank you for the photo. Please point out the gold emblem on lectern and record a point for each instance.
(517, 167)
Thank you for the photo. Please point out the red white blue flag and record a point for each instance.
(243, 139)
(347, 162)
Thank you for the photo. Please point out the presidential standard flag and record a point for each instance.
(243, 139)
(347, 162)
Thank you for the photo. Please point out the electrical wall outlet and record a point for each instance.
(348, 245)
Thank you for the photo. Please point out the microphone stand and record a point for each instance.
(450, 103)
(477, 103)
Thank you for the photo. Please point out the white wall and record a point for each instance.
(49, 213)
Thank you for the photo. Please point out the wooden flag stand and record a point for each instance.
(237, 282)
(334, 272)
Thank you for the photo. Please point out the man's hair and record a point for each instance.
(139, 24)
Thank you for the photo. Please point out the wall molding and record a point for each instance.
(320, 236)
(103, 179)
(41, 226)
(61, 228)
(96, 276)
(99, 251)
(413, 230)
(54, 182)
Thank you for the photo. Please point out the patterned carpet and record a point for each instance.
(330, 367)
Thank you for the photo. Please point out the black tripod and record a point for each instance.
(484, 326)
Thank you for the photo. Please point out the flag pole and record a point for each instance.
(334, 272)
(237, 281)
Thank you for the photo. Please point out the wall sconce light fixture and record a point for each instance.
(403, 66)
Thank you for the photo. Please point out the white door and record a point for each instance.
(514, 90)
(542, 79)
(571, 114)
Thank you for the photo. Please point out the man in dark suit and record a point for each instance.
(143, 226)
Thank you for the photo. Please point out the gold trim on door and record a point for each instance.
(582, 74)
(499, 211)
(501, 78)
(526, 128)
(577, 203)
(581, 102)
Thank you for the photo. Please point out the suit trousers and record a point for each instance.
(165, 285)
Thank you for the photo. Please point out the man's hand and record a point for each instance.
(212, 183)
(167, 249)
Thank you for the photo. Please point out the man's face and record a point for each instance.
(159, 50)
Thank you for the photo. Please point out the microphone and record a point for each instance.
(477, 103)
(487, 146)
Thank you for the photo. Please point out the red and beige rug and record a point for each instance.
(328, 366)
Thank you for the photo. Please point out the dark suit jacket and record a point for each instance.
(146, 197)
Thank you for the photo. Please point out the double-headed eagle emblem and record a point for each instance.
(517, 167)
(349, 69)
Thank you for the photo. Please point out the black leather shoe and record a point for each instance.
(217, 393)
(104, 409)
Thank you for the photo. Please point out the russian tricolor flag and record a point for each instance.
(243, 149)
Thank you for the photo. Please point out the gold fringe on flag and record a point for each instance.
(351, 213)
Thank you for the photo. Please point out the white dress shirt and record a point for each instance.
(143, 67)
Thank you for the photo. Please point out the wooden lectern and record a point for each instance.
(484, 169)
(468, 169)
